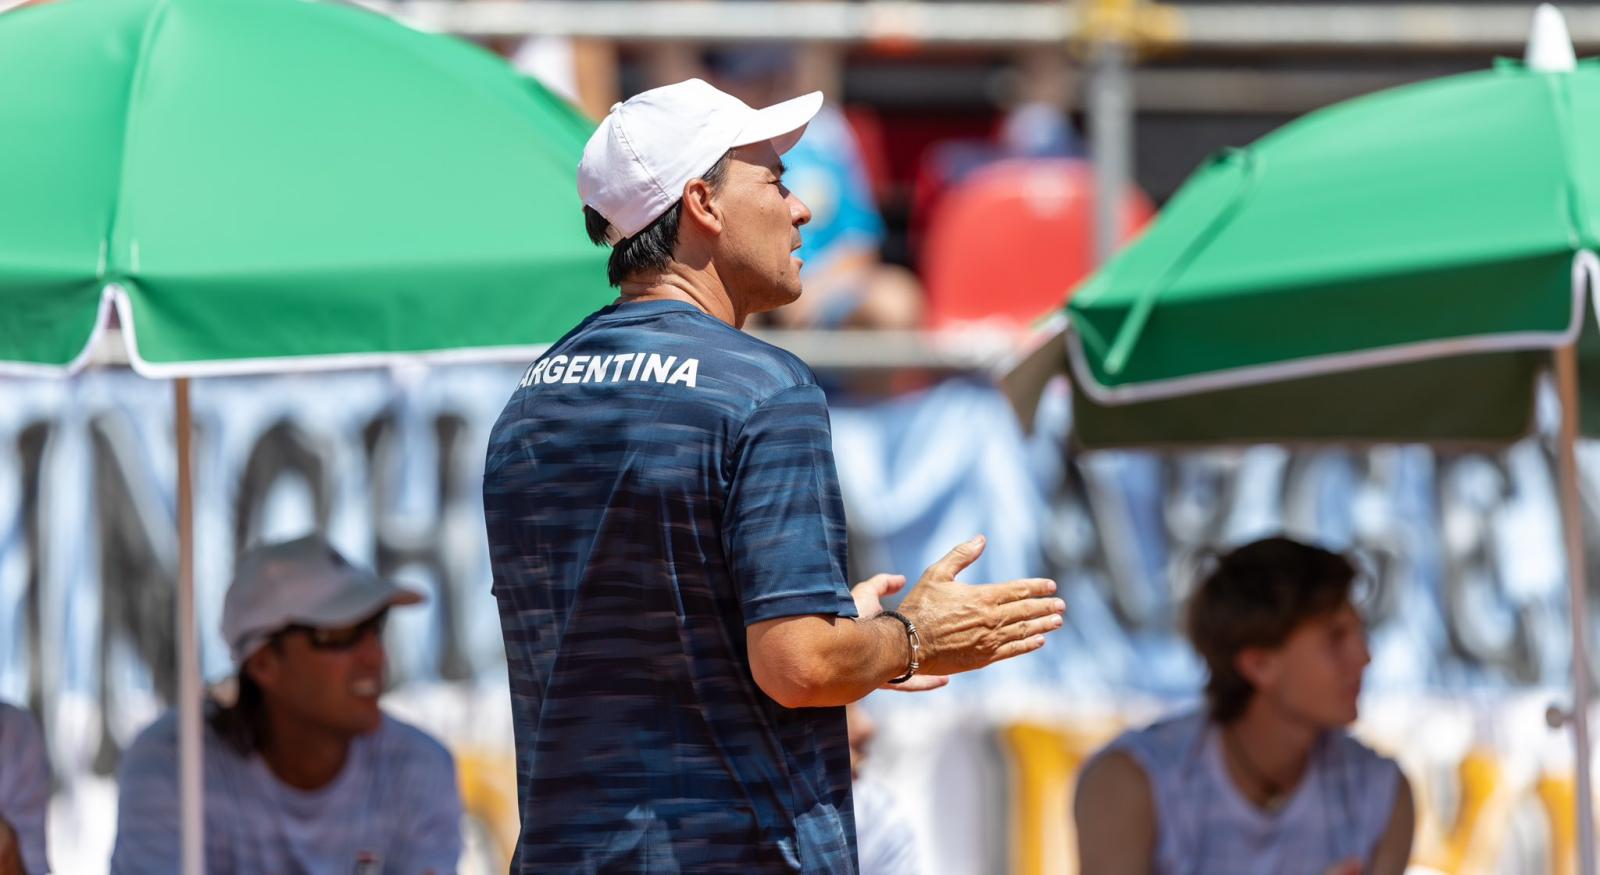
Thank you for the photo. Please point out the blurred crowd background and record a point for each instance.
(953, 187)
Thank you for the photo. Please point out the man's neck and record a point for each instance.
(701, 289)
(1266, 752)
(302, 756)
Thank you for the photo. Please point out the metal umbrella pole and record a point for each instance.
(1578, 587)
(190, 775)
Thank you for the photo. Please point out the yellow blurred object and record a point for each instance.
(1136, 23)
(488, 782)
(1044, 763)
(1470, 842)
(1560, 799)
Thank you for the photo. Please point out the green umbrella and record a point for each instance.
(1450, 220)
(259, 185)
(269, 185)
(1399, 267)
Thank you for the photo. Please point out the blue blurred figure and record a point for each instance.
(24, 793)
(847, 284)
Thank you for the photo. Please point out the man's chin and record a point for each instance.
(363, 722)
(782, 297)
(1346, 716)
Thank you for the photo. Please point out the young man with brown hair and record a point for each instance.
(1263, 779)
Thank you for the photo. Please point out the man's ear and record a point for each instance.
(264, 667)
(700, 207)
(1258, 665)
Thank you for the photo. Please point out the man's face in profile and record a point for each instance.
(1316, 673)
(761, 230)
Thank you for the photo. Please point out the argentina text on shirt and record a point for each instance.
(622, 367)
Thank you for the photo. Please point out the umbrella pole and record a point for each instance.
(1578, 586)
(192, 819)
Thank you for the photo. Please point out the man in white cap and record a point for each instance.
(668, 538)
(303, 771)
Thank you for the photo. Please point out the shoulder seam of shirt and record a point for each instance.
(739, 435)
(765, 401)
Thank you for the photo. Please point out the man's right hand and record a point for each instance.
(965, 627)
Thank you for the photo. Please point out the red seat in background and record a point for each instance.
(868, 130)
(1007, 243)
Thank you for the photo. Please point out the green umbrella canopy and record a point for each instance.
(1391, 268)
(275, 184)
(1394, 268)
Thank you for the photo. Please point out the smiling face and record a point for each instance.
(333, 688)
(761, 219)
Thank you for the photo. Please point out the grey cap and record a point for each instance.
(300, 582)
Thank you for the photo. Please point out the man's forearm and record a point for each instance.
(821, 662)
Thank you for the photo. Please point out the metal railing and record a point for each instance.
(1220, 27)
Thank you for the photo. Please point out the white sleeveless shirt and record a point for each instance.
(1206, 826)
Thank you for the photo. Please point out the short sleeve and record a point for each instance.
(25, 790)
(433, 841)
(147, 804)
(1373, 782)
(783, 525)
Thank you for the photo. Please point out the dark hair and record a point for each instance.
(651, 249)
(243, 724)
(1256, 596)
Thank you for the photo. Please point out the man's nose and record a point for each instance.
(369, 649)
(799, 213)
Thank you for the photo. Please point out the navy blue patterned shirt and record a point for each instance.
(658, 482)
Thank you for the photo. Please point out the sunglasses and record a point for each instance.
(344, 637)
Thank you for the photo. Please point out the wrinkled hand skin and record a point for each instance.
(968, 626)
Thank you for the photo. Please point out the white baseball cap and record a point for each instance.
(300, 582)
(647, 148)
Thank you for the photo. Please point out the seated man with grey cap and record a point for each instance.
(304, 773)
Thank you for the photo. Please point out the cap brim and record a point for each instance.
(357, 605)
(345, 612)
(780, 123)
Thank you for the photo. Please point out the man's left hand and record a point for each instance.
(868, 595)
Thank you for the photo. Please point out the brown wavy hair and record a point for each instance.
(1255, 596)
(242, 723)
